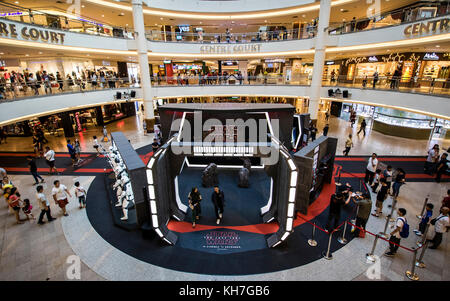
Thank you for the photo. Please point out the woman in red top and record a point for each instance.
(14, 203)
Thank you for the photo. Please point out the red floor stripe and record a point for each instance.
(406, 159)
(408, 176)
(22, 169)
(93, 170)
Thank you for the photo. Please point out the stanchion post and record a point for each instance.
(312, 242)
(423, 208)
(370, 256)
(384, 233)
(419, 263)
(424, 236)
(342, 239)
(327, 254)
(412, 274)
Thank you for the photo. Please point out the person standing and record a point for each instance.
(325, 129)
(96, 145)
(144, 125)
(105, 134)
(14, 203)
(398, 182)
(375, 78)
(50, 159)
(336, 202)
(218, 200)
(348, 145)
(371, 168)
(33, 170)
(424, 221)
(442, 167)
(80, 193)
(155, 145)
(446, 200)
(44, 205)
(441, 225)
(60, 193)
(432, 158)
(77, 147)
(387, 175)
(363, 127)
(381, 196)
(72, 153)
(364, 203)
(394, 240)
(194, 203)
(313, 132)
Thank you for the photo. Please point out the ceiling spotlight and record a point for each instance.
(83, 6)
(27, 55)
(438, 46)
(201, 22)
(16, 2)
(103, 16)
(40, 52)
(265, 21)
(2, 53)
(161, 18)
(304, 16)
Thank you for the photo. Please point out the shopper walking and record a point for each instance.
(441, 225)
(44, 205)
(194, 199)
(375, 78)
(363, 127)
(348, 145)
(371, 168)
(218, 200)
(105, 134)
(50, 159)
(80, 194)
(96, 145)
(33, 170)
(381, 196)
(399, 232)
(60, 194)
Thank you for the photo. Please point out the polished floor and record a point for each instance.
(32, 252)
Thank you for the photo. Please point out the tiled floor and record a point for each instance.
(32, 252)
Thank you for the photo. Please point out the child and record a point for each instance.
(376, 181)
(425, 219)
(27, 209)
(381, 196)
(80, 193)
(96, 145)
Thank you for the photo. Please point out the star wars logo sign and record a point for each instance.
(222, 240)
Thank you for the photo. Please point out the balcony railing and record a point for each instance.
(241, 37)
(32, 89)
(21, 90)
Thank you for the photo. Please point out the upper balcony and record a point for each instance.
(31, 99)
(393, 29)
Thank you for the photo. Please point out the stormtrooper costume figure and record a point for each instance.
(129, 199)
(121, 189)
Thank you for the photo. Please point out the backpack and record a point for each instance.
(404, 233)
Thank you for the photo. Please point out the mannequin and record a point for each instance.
(125, 182)
(127, 200)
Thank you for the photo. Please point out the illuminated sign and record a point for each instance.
(373, 59)
(420, 28)
(431, 57)
(167, 62)
(183, 28)
(219, 49)
(31, 33)
(329, 63)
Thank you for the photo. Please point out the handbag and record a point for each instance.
(434, 220)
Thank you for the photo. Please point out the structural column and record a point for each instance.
(141, 43)
(319, 57)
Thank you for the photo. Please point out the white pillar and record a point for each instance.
(319, 57)
(141, 43)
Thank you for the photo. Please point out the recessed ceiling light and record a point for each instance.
(126, 24)
(2, 53)
(201, 22)
(40, 52)
(161, 18)
(438, 46)
(16, 2)
(83, 6)
(103, 16)
(265, 21)
(27, 55)
(303, 16)
(156, 24)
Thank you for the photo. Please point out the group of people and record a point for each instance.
(436, 163)
(17, 204)
(195, 198)
(15, 82)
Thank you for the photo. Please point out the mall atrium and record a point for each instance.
(225, 140)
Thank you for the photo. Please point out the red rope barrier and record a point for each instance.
(361, 229)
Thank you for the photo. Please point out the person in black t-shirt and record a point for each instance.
(399, 180)
(155, 145)
(381, 196)
(337, 201)
(33, 170)
(218, 201)
(442, 167)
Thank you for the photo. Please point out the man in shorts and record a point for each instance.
(50, 159)
(60, 193)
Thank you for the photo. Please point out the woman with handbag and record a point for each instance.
(194, 203)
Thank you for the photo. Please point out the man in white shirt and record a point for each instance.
(60, 193)
(50, 159)
(441, 225)
(394, 240)
(44, 205)
(370, 169)
(432, 159)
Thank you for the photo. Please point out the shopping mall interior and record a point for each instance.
(325, 126)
